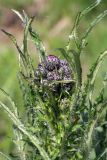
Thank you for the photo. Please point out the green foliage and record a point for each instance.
(70, 127)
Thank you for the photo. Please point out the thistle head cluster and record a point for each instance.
(55, 74)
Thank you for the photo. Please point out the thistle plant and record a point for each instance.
(63, 121)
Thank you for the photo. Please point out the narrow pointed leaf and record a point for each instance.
(38, 43)
(94, 23)
(18, 14)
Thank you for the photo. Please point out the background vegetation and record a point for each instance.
(54, 20)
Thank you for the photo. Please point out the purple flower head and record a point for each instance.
(52, 62)
(53, 69)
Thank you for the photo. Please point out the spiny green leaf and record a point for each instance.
(101, 156)
(21, 127)
(13, 106)
(73, 35)
(38, 43)
(5, 156)
(25, 48)
(68, 57)
(92, 24)
(91, 126)
(88, 9)
(78, 67)
(26, 30)
(19, 144)
(13, 39)
(93, 72)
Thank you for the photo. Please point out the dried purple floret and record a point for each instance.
(52, 62)
(63, 63)
(50, 76)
